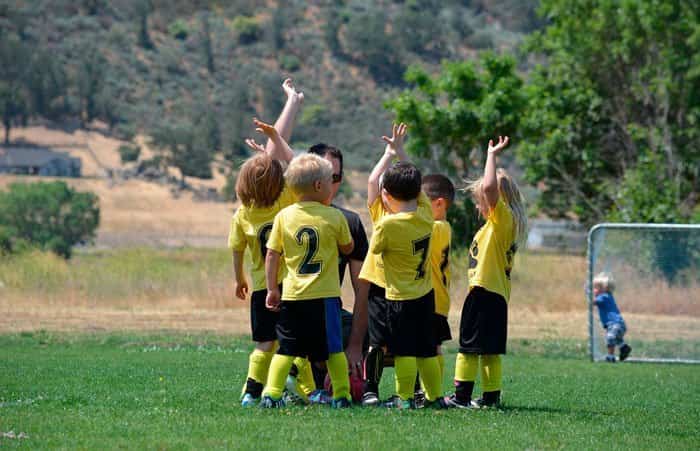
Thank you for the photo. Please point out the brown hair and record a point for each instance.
(260, 181)
(438, 185)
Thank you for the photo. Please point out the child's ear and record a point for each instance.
(317, 185)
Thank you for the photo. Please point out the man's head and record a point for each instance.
(335, 157)
(310, 177)
(400, 183)
(441, 193)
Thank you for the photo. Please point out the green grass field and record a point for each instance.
(176, 391)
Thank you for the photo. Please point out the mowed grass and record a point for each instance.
(176, 391)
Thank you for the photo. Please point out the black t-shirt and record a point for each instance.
(359, 236)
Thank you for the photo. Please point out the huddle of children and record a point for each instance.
(295, 238)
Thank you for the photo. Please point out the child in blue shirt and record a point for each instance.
(614, 325)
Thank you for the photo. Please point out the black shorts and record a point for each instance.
(411, 327)
(441, 328)
(483, 328)
(262, 320)
(377, 325)
(301, 329)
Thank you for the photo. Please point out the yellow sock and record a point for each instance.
(338, 371)
(258, 366)
(491, 372)
(441, 362)
(279, 369)
(305, 378)
(429, 369)
(405, 368)
(466, 367)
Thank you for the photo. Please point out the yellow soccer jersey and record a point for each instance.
(492, 250)
(440, 265)
(250, 227)
(403, 241)
(373, 267)
(308, 235)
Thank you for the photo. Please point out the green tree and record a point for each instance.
(451, 116)
(51, 216)
(612, 120)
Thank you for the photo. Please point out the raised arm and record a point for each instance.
(393, 149)
(490, 184)
(285, 123)
(280, 150)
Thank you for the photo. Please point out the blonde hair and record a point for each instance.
(260, 181)
(509, 191)
(305, 170)
(604, 281)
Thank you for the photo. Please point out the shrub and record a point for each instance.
(247, 29)
(51, 216)
(129, 153)
(228, 192)
(290, 63)
(179, 29)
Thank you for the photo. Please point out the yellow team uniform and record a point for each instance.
(373, 267)
(308, 235)
(440, 265)
(492, 250)
(403, 241)
(250, 227)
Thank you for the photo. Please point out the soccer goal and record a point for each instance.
(656, 270)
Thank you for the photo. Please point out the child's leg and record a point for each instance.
(305, 377)
(337, 362)
(466, 368)
(429, 369)
(374, 367)
(378, 335)
(279, 369)
(406, 370)
(491, 377)
(258, 367)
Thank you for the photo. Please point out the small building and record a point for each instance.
(557, 236)
(38, 161)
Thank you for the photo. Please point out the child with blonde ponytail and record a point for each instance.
(483, 327)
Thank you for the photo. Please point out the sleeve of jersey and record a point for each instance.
(344, 236)
(378, 241)
(236, 237)
(376, 210)
(274, 241)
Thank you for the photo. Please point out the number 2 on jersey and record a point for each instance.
(308, 266)
(421, 245)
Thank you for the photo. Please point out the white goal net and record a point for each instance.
(656, 273)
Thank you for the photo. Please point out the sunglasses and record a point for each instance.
(336, 178)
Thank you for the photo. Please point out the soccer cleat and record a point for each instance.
(249, 401)
(270, 403)
(319, 396)
(341, 403)
(487, 400)
(296, 395)
(419, 399)
(370, 399)
(625, 351)
(610, 358)
(438, 404)
(452, 401)
(395, 402)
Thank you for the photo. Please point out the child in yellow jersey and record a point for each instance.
(403, 225)
(441, 193)
(307, 236)
(483, 327)
(260, 188)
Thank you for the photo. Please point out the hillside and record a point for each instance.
(189, 76)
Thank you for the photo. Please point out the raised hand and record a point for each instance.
(290, 90)
(265, 128)
(255, 147)
(395, 143)
(502, 143)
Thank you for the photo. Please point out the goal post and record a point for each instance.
(656, 269)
